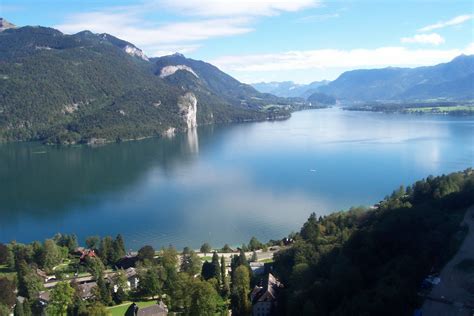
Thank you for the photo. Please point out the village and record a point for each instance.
(141, 282)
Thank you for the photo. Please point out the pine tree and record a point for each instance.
(216, 267)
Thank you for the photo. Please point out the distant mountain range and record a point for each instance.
(448, 81)
(97, 88)
(289, 89)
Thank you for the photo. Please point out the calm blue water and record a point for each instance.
(224, 184)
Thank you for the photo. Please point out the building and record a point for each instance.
(86, 290)
(264, 296)
(132, 278)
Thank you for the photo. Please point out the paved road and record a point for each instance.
(453, 286)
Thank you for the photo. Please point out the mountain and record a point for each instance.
(4, 25)
(203, 77)
(289, 89)
(93, 88)
(448, 81)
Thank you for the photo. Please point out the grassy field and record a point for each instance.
(5, 272)
(206, 258)
(120, 310)
(266, 260)
(442, 109)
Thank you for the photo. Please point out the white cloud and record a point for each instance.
(206, 19)
(432, 38)
(237, 7)
(330, 59)
(442, 24)
(154, 38)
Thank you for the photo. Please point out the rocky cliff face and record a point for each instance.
(188, 109)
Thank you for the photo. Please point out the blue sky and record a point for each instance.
(266, 40)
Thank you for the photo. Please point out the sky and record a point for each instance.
(271, 40)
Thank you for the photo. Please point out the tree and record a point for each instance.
(191, 263)
(151, 282)
(94, 266)
(93, 242)
(216, 267)
(97, 309)
(68, 241)
(120, 282)
(204, 299)
(106, 250)
(224, 279)
(29, 283)
(186, 250)
(7, 292)
(26, 308)
(103, 291)
(207, 271)
(169, 261)
(146, 253)
(51, 254)
(226, 249)
(254, 257)
(206, 248)
(60, 299)
(4, 310)
(4, 253)
(119, 248)
(240, 291)
(18, 310)
(254, 244)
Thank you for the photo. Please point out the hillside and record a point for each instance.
(92, 88)
(373, 262)
(447, 81)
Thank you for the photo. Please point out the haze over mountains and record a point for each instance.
(448, 81)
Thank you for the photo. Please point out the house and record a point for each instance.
(87, 253)
(159, 309)
(86, 290)
(132, 279)
(264, 296)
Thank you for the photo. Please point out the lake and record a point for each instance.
(224, 184)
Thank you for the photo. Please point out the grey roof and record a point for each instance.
(267, 292)
(85, 289)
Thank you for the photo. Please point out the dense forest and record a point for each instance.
(372, 262)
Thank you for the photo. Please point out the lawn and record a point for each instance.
(120, 310)
(206, 258)
(269, 260)
(6, 272)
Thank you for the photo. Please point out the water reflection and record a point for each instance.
(224, 183)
